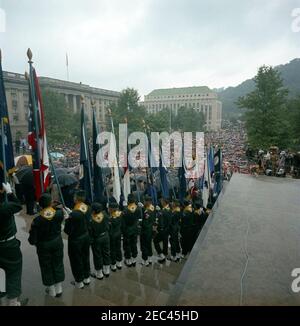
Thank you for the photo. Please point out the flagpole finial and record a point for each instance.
(93, 103)
(82, 99)
(0, 56)
(26, 75)
(109, 112)
(126, 120)
(29, 54)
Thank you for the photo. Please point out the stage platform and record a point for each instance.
(255, 217)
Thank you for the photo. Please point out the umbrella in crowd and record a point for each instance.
(56, 155)
(62, 171)
(67, 180)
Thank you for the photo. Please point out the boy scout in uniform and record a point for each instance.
(131, 215)
(98, 230)
(115, 222)
(200, 218)
(187, 228)
(76, 227)
(45, 234)
(163, 228)
(10, 253)
(148, 221)
(174, 230)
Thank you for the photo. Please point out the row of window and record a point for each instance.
(177, 96)
(205, 109)
(155, 107)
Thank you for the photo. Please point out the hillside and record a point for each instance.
(290, 74)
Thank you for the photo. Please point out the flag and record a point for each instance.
(7, 156)
(151, 189)
(37, 136)
(218, 171)
(206, 183)
(182, 177)
(163, 177)
(126, 178)
(85, 176)
(98, 178)
(211, 156)
(113, 163)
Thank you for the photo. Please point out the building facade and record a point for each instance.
(202, 99)
(17, 94)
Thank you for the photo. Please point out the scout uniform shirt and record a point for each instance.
(148, 220)
(46, 226)
(76, 225)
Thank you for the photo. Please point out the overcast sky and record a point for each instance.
(148, 44)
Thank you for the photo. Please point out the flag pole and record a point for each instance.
(3, 155)
(35, 117)
(103, 181)
(113, 131)
(67, 64)
(86, 148)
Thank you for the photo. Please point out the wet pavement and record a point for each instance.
(132, 286)
(261, 215)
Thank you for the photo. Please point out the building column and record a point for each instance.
(67, 100)
(74, 104)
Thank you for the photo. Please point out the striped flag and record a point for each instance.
(85, 176)
(98, 178)
(37, 136)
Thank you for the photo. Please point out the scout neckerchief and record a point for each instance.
(188, 208)
(98, 218)
(176, 210)
(132, 207)
(48, 213)
(150, 208)
(198, 211)
(116, 214)
(166, 208)
(82, 207)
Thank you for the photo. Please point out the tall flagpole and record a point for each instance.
(86, 149)
(67, 64)
(103, 181)
(113, 131)
(35, 116)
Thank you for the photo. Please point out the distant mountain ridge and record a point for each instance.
(290, 73)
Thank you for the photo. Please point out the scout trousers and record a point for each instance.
(101, 251)
(51, 256)
(11, 263)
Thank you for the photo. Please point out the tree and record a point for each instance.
(62, 125)
(294, 122)
(265, 116)
(159, 122)
(189, 120)
(128, 108)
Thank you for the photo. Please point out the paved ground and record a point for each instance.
(129, 287)
(212, 275)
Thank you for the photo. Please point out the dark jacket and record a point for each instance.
(46, 226)
(77, 224)
(7, 220)
(98, 226)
